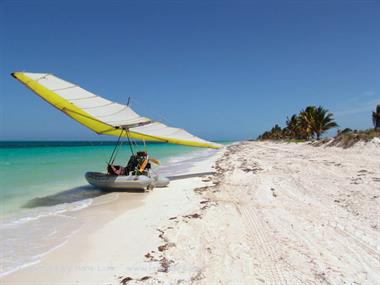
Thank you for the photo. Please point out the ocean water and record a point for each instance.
(41, 183)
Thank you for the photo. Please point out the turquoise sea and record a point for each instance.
(41, 181)
(30, 169)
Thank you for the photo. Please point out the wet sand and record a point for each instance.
(116, 233)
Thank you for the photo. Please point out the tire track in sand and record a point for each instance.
(265, 252)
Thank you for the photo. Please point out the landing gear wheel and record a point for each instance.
(150, 187)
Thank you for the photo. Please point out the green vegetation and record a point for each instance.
(348, 137)
(310, 123)
(313, 121)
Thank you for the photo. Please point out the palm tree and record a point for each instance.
(322, 121)
(376, 118)
(311, 122)
(292, 127)
(276, 132)
(306, 122)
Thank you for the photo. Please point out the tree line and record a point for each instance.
(310, 123)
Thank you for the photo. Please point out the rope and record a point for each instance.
(117, 151)
(129, 142)
(118, 140)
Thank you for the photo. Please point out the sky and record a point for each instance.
(223, 70)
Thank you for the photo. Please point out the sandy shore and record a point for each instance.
(272, 214)
(117, 231)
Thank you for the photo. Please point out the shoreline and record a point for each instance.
(44, 221)
(103, 222)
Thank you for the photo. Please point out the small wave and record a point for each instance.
(35, 259)
(182, 164)
(202, 154)
(33, 215)
(14, 269)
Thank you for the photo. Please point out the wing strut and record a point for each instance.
(113, 155)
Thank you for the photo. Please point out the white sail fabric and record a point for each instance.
(85, 106)
(111, 113)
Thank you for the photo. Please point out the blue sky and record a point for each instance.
(220, 69)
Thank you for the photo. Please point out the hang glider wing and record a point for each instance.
(104, 116)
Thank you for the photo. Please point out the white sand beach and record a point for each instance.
(274, 213)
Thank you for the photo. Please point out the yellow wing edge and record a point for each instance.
(90, 121)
